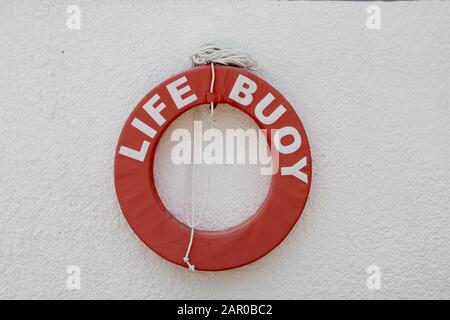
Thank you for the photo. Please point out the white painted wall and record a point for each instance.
(375, 104)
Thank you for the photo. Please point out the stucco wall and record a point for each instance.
(375, 104)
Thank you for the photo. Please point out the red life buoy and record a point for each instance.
(134, 182)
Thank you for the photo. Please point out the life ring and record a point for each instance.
(135, 152)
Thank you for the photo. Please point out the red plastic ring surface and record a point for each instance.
(211, 250)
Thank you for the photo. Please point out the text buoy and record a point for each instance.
(135, 152)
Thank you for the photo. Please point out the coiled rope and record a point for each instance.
(216, 54)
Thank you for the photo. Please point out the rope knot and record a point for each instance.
(190, 266)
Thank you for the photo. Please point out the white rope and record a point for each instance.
(217, 54)
(210, 54)
(193, 223)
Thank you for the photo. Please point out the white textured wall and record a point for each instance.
(375, 104)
